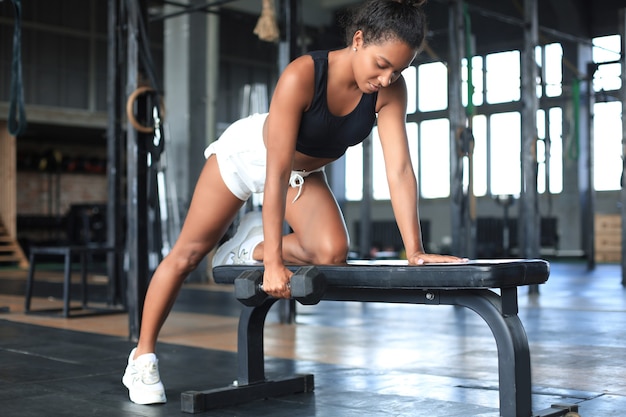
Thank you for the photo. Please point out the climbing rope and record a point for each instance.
(267, 28)
(17, 114)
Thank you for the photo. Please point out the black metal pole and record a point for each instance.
(114, 150)
(622, 28)
(137, 199)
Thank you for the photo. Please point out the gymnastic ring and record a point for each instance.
(129, 109)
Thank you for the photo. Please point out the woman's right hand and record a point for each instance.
(276, 281)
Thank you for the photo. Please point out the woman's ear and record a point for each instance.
(357, 39)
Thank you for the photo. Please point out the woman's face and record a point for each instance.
(378, 65)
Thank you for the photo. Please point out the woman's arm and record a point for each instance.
(289, 101)
(400, 174)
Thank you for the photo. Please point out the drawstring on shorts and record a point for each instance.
(296, 180)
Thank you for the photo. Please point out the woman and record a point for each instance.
(323, 103)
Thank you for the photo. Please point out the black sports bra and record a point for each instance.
(321, 133)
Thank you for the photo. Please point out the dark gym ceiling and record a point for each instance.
(495, 23)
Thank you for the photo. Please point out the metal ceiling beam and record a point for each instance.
(191, 9)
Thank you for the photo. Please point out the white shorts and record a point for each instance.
(241, 157)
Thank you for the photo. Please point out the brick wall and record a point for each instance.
(41, 193)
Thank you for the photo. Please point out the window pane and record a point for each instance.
(380, 188)
(354, 173)
(554, 70)
(503, 77)
(354, 166)
(541, 151)
(477, 80)
(433, 86)
(379, 181)
(410, 77)
(479, 129)
(607, 49)
(505, 136)
(538, 60)
(607, 138)
(555, 126)
(556, 150)
(435, 158)
(541, 166)
(607, 77)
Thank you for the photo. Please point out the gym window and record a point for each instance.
(496, 164)
(477, 81)
(607, 152)
(434, 153)
(607, 134)
(432, 80)
(503, 77)
(504, 150)
(550, 151)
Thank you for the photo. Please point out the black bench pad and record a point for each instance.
(479, 274)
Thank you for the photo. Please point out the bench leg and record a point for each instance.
(29, 282)
(250, 348)
(67, 283)
(251, 383)
(513, 350)
(558, 410)
(83, 277)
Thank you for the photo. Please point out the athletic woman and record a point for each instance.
(323, 103)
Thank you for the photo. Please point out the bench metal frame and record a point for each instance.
(466, 285)
(67, 252)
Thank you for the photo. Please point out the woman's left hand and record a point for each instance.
(427, 258)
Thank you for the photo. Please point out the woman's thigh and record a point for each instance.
(213, 208)
(317, 221)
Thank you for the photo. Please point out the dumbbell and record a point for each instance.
(307, 286)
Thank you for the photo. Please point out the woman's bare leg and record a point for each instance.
(213, 207)
(320, 234)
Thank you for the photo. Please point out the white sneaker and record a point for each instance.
(238, 250)
(142, 379)
(249, 220)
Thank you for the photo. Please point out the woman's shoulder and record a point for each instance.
(394, 95)
(296, 84)
(300, 70)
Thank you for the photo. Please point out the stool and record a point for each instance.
(67, 252)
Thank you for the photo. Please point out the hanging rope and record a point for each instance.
(153, 90)
(573, 151)
(17, 114)
(266, 27)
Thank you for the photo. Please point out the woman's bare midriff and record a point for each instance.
(302, 162)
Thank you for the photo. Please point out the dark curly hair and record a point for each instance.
(384, 20)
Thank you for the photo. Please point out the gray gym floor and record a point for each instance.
(368, 359)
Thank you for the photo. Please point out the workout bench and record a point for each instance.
(67, 252)
(469, 285)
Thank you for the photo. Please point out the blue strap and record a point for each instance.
(17, 123)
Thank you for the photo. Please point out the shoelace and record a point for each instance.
(149, 373)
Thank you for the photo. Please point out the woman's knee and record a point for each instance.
(185, 261)
(330, 251)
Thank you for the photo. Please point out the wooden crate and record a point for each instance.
(8, 192)
(608, 237)
(608, 223)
